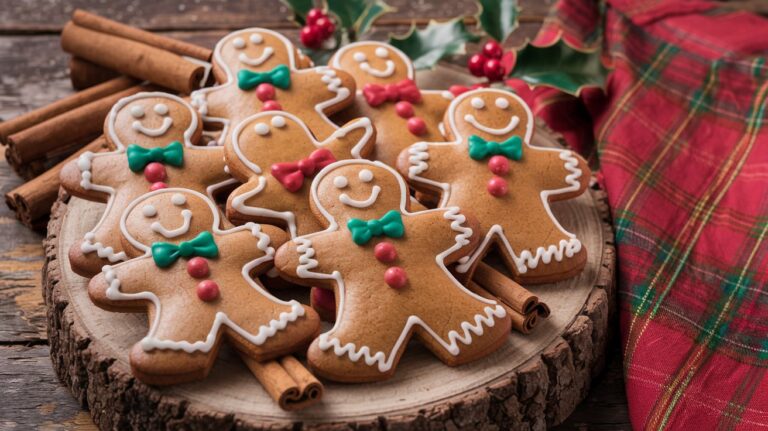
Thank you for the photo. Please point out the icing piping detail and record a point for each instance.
(173, 233)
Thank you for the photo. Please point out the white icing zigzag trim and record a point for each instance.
(379, 358)
(308, 262)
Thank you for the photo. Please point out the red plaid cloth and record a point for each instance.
(681, 140)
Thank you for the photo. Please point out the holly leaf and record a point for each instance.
(498, 18)
(358, 15)
(427, 46)
(560, 66)
(300, 9)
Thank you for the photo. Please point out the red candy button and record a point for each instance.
(207, 290)
(158, 185)
(396, 277)
(404, 109)
(497, 186)
(154, 172)
(197, 267)
(417, 126)
(265, 92)
(385, 252)
(271, 105)
(499, 165)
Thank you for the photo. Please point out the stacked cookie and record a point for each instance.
(307, 175)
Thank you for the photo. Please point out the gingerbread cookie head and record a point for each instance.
(152, 119)
(373, 63)
(167, 215)
(357, 189)
(493, 115)
(255, 49)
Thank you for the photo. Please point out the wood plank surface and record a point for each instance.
(34, 72)
(30, 17)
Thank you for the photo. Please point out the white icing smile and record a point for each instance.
(513, 122)
(167, 123)
(250, 61)
(346, 200)
(388, 70)
(173, 233)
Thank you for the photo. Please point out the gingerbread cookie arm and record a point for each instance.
(119, 287)
(297, 260)
(215, 168)
(92, 176)
(355, 138)
(462, 232)
(566, 174)
(427, 166)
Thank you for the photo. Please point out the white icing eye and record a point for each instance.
(161, 109)
(382, 52)
(278, 121)
(502, 103)
(359, 57)
(149, 211)
(178, 199)
(477, 103)
(238, 43)
(340, 182)
(261, 129)
(256, 38)
(137, 111)
(365, 176)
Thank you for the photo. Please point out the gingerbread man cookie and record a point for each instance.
(154, 136)
(402, 113)
(491, 167)
(387, 266)
(275, 156)
(259, 71)
(198, 284)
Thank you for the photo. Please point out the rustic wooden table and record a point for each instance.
(33, 72)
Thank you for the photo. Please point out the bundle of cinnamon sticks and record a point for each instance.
(522, 305)
(109, 61)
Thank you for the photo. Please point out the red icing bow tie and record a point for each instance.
(291, 174)
(406, 90)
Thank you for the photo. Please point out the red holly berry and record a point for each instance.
(326, 27)
(154, 172)
(476, 64)
(417, 126)
(271, 105)
(395, 277)
(311, 36)
(499, 165)
(265, 92)
(494, 70)
(323, 298)
(404, 109)
(492, 49)
(313, 15)
(385, 252)
(207, 290)
(197, 267)
(497, 186)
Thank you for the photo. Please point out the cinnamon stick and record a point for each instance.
(277, 378)
(104, 25)
(84, 74)
(32, 200)
(511, 293)
(133, 58)
(61, 106)
(57, 132)
(523, 323)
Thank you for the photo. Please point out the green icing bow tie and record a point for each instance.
(480, 149)
(139, 157)
(165, 253)
(391, 225)
(279, 76)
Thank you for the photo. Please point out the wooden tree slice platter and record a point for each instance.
(533, 381)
